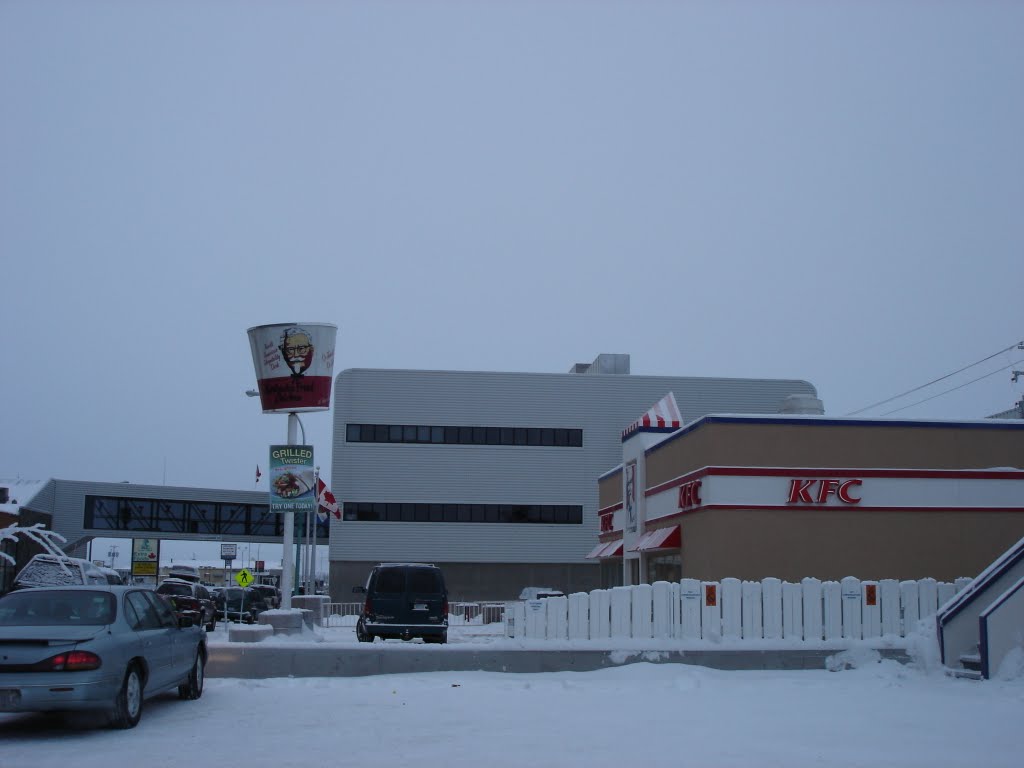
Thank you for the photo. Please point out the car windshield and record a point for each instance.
(57, 608)
(174, 589)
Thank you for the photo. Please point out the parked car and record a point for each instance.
(191, 597)
(95, 647)
(54, 571)
(404, 600)
(271, 594)
(238, 604)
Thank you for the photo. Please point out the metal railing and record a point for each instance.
(345, 614)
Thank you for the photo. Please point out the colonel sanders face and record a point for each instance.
(297, 350)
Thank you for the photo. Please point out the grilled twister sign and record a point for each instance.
(292, 479)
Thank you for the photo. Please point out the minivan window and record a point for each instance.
(390, 581)
(422, 580)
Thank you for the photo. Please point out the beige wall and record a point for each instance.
(792, 544)
(754, 444)
(609, 490)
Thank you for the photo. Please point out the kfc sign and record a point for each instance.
(689, 494)
(819, 491)
(608, 522)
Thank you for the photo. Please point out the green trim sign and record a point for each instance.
(292, 481)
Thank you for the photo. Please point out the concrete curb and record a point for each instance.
(263, 661)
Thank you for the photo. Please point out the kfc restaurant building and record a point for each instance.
(796, 496)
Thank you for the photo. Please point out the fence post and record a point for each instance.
(889, 590)
(557, 609)
(579, 616)
(677, 609)
(711, 611)
(661, 614)
(536, 620)
(851, 608)
(792, 611)
(622, 599)
(641, 610)
(946, 591)
(732, 609)
(928, 593)
(871, 611)
(771, 602)
(600, 614)
(910, 603)
(690, 602)
(811, 589)
(752, 629)
(832, 609)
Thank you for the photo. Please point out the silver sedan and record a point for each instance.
(95, 647)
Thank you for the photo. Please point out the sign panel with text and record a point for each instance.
(292, 480)
(145, 557)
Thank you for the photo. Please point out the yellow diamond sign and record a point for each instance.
(244, 577)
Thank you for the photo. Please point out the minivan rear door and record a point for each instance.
(425, 595)
(388, 595)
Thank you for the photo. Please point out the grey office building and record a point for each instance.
(493, 476)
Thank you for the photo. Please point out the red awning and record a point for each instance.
(612, 549)
(662, 538)
(596, 551)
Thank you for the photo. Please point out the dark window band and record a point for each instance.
(408, 433)
(188, 517)
(379, 511)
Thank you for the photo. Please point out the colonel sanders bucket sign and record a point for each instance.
(294, 365)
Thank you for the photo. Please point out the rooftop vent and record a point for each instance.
(802, 404)
(604, 363)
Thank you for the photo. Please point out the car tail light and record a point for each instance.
(72, 661)
(368, 606)
(444, 607)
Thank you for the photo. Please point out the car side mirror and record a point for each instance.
(359, 590)
(185, 621)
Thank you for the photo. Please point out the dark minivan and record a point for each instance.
(404, 600)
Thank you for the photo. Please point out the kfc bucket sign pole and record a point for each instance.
(294, 365)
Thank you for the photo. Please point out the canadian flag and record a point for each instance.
(327, 503)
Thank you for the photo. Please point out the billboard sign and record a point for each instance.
(294, 365)
(292, 480)
(145, 557)
(228, 552)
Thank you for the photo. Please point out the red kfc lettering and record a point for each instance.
(689, 494)
(798, 492)
(844, 492)
(826, 489)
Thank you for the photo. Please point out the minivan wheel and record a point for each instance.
(361, 634)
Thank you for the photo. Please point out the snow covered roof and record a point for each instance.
(19, 493)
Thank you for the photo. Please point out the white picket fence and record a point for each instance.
(734, 610)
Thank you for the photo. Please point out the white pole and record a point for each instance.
(289, 526)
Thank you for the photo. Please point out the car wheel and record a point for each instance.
(128, 705)
(193, 689)
(361, 634)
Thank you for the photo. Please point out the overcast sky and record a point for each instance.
(827, 191)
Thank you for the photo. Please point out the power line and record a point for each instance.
(954, 389)
(1018, 345)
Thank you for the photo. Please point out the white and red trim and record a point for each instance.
(664, 414)
(832, 489)
(661, 538)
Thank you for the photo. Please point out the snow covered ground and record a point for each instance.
(641, 714)
(881, 714)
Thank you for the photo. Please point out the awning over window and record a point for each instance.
(596, 551)
(613, 549)
(608, 549)
(663, 538)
